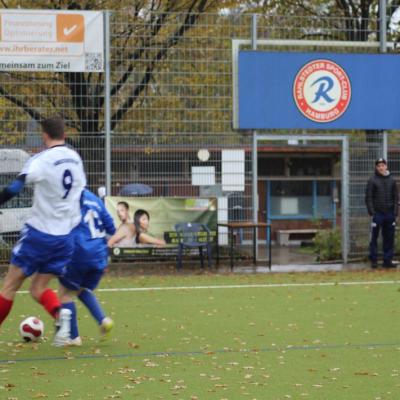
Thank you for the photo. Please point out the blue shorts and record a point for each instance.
(40, 252)
(84, 272)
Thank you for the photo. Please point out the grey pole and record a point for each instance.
(345, 199)
(385, 145)
(254, 144)
(107, 103)
(383, 49)
(382, 26)
(254, 32)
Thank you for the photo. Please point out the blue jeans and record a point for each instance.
(386, 222)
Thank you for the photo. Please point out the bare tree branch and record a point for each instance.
(29, 110)
(137, 54)
(190, 20)
(188, 23)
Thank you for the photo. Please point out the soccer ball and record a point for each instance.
(31, 329)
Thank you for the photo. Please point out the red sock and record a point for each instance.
(5, 307)
(50, 302)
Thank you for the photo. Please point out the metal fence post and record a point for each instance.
(383, 49)
(345, 199)
(385, 145)
(382, 26)
(254, 145)
(107, 103)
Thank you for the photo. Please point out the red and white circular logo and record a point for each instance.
(322, 90)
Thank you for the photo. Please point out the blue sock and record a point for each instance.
(90, 301)
(74, 323)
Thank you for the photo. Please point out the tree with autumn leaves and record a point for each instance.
(168, 59)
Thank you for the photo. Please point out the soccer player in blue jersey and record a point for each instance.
(85, 270)
(46, 244)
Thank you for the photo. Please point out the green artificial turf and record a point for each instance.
(292, 341)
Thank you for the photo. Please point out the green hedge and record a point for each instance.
(327, 245)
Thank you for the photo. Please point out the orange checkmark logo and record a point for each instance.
(70, 28)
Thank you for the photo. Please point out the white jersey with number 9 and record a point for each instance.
(58, 178)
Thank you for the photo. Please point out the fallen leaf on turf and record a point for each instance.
(65, 394)
(9, 385)
(151, 364)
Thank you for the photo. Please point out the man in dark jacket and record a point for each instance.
(381, 198)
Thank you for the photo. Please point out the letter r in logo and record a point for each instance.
(325, 85)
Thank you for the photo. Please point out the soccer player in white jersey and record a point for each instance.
(46, 243)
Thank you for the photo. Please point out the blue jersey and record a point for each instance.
(90, 235)
(91, 251)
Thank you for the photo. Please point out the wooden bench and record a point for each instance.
(284, 236)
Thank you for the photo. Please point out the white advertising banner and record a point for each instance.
(47, 40)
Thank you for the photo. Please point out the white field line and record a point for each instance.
(249, 286)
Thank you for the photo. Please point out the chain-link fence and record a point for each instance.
(171, 95)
